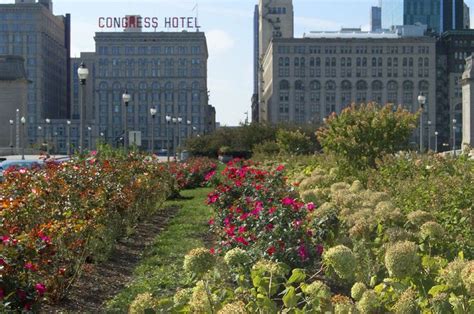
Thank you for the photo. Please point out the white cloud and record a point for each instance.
(219, 41)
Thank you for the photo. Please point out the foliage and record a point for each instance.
(361, 134)
(256, 210)
(293, 142)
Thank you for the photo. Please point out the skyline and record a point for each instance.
(228, 25)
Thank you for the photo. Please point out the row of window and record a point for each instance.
(155, 86)
(302, 49)
(347, 85)
(148, 62)
(148, 50)
(359, 61)
(154, 72)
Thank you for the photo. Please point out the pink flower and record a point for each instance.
(22, 170)
(272, 210)
(46, 239)
(30, 266)
(242, 240)
(212, 251)
(211, 221)
(210, 175)
(288, 201)
(297, 223)
(244, 216)
(302, 252)
(40, 289)
(242, 230)
(212, 198)
(310, 206)
(280, 168)
(5, 239)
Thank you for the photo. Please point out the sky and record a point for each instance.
(228, 25)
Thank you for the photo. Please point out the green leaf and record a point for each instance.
(290, 299)
(298, 275)
(435, 290)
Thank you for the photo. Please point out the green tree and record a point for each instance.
(363, 133)
(293, 142)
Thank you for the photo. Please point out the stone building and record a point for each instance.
(164, 70)
(13, 97)
(306, 79)
(31, 30)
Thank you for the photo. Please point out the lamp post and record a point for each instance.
(175, 121)
(126, 99)
(429, 135)
(11, 135)
(188, 128)
(41, 139)
(454, 137)
(82, 73)
(168, 121)
(180, 120)
(436, 141)
(68, 134)
(23, 122)
(193, 131)
(153, 115)
(48, 132)
(421, 102)
(89, 129)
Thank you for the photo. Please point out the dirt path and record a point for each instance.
(104, 281)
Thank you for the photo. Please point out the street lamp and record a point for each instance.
(429, 135)
(436, 141)
(421, 102)
(126, 99)
(89, 129)
(454, 137)
(175, 121)
(168, 121)
(180, 120)
(193, 131)
(48, 132)
(188, 128)
(41, 139)
(23, 122)
(68, 131)
(11, 135)
(153, 114)
(82, 73)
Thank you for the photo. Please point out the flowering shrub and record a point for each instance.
(256, 210)
(55, 218)
(193, 173)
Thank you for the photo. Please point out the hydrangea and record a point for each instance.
(360, 229)
(200, 302)
(236, 257)
(451, 274)
(182, 297)
(386, 211)
(432, 230)
(356, 187)
(342, 260)
(141, 303)
(397, 234)
(406, 304)
(274, 268)
(318, 172)
(368, 303)
(401, 259)
(339, 186)
(358, 290)
(318, 291)
(467, 275)
(342, 304)
(234, 308)
(419, 217)
(199, 261)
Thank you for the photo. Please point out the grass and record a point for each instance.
(161, 270)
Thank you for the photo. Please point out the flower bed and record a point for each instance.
(54, 219)
(192, 173)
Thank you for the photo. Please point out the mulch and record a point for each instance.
(101, 282)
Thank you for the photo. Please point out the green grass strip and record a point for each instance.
(161, 270)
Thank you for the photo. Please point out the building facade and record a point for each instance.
(30, 30)
(439, 15)
(453, 49)
(162, 70)
(13, 101)
(306, 79)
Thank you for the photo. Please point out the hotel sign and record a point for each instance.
(135, 21)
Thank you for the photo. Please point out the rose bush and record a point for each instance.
(55, 219)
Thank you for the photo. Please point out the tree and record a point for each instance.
(363, 133)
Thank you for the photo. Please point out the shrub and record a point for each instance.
(401, 259)
(341, 260)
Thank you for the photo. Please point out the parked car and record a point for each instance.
(29, 164)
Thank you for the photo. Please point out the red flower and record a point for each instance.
(211, 221)
(271, 250)
(272, 210)
(244, 216)
(319, 249)
(242, 230)
(310, 206)
(242, 240)
(40, 289)
(288, 201)
(269, 227)
(212, 251)
(30, 266)
(280, 168)
(302, 252)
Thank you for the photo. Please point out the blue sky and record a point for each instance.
(229, 29)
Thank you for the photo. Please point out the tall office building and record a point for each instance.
(255, 64)
(375, 19)
(392, 13)
(439, 15)
(467, 17)
(30, 30)
(165, 70)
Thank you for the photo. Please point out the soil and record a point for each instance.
(101, 282)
